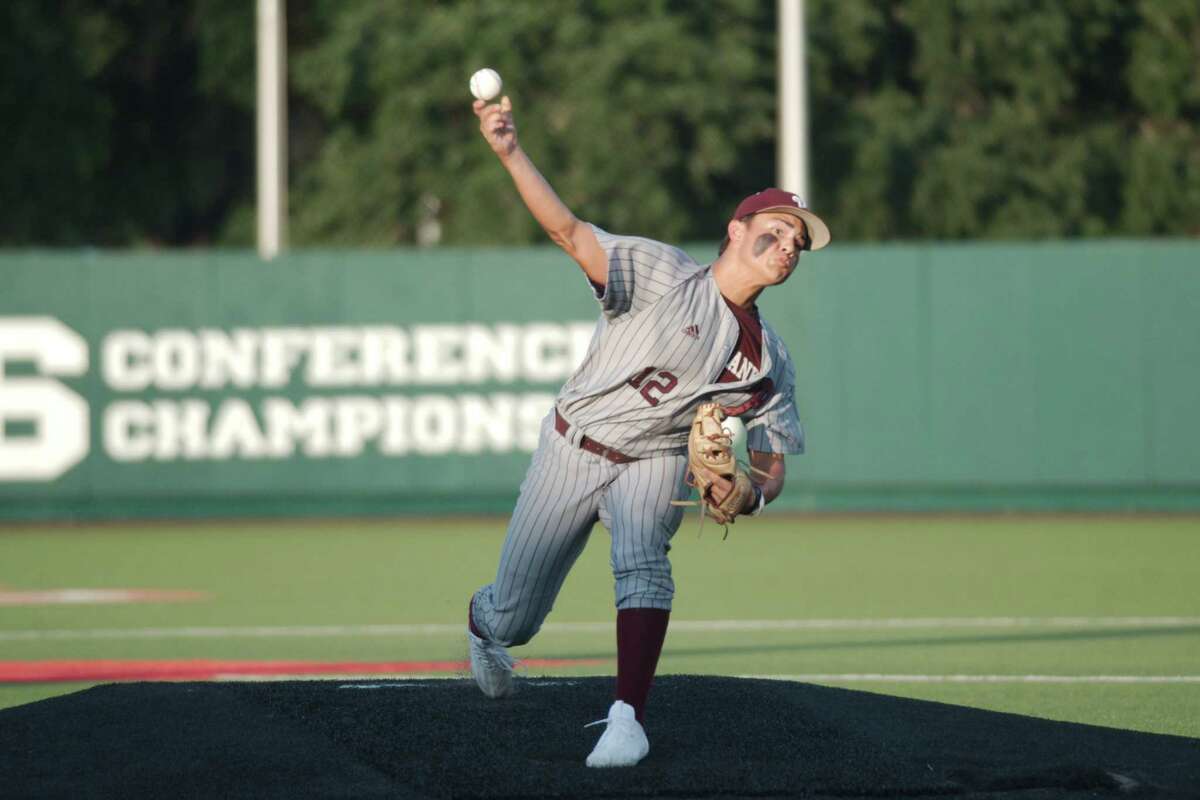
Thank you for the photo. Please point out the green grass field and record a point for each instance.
(1032, 615)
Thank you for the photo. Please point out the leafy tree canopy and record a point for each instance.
(132, 123)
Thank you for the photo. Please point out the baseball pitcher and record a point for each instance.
(636, 430)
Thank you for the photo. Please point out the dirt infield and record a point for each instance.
(710, 737)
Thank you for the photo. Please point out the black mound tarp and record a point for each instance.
(709, 737)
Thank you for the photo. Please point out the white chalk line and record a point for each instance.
(677, 626)
(886, 678)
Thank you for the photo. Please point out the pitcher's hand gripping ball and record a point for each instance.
(486, 84)
(711, 456)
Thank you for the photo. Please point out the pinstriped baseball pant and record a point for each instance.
(565, 492)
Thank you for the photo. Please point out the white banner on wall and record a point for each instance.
(215, 394)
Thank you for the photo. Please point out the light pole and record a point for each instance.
(272, 128)
(792, 99)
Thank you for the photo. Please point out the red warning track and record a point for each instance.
(202, 670)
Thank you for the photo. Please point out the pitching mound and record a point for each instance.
(709, 737)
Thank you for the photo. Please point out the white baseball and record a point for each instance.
(737, 432)
(486, 84)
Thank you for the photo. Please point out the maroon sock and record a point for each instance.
(640, 635)
(471, 619)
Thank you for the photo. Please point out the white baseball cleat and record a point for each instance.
(624, 743)
(491, 666)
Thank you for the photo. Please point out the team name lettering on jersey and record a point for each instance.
(740, 366)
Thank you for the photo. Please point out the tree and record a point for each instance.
(125, 122)
(1009, 118)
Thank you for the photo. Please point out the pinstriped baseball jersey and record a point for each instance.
(664, 338)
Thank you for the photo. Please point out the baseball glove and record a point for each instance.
(710, 454)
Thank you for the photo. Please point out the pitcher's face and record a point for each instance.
(771, 246)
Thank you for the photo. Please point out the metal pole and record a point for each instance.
(792, 98)
(272, 129)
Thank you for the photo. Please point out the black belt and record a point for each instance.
(591, 445)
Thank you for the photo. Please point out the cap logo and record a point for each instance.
(799, 203)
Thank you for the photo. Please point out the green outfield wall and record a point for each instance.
(1055, 376)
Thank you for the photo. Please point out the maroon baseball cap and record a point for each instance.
(786, 203)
